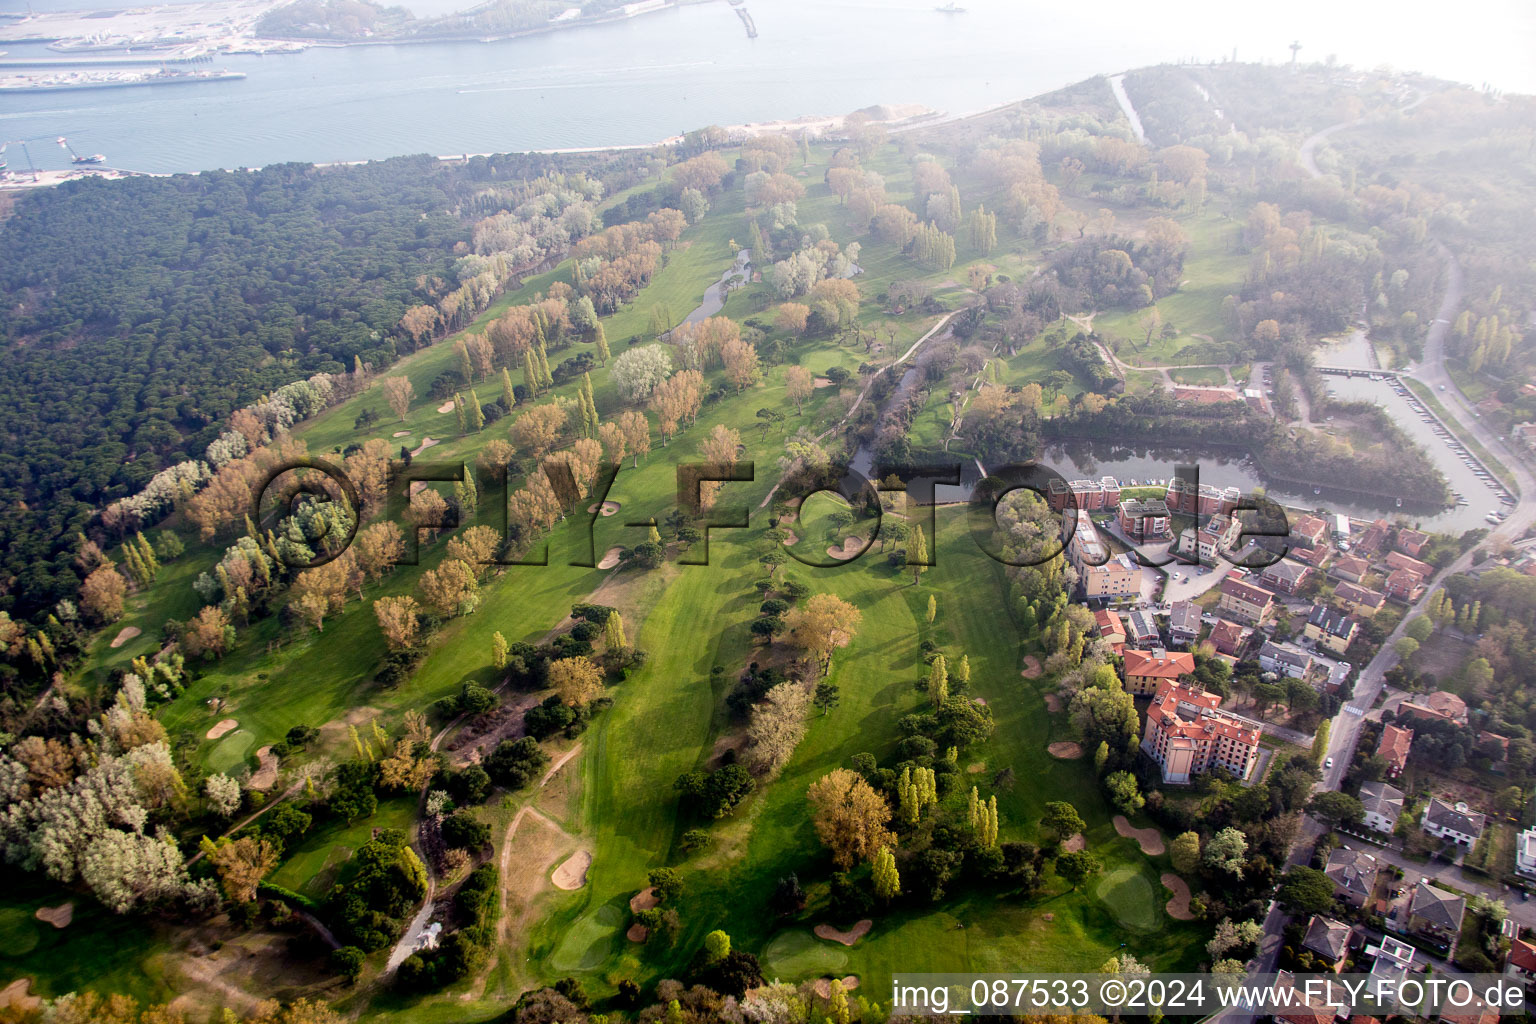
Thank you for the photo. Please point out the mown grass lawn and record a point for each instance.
(669, 715)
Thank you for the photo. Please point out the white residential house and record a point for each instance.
(1525, 853)
(1457, 823)
(1285, 659)
(1383, 806)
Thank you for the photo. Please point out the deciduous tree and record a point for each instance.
(850, 817)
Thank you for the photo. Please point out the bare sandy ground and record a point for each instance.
(401, 433)
(59, 916)
(1052, 703)
(823, 986)
(266, 769)
(790, 538)
(847, 938)
(124, 635)
(822, 382)
(1074, 843)
(637, 933)
(426, 443)
(610, 558)
(227, 725)
(445, 407)
(1150, 839)
(573, 873)
(976, 768)
(851, 546)
(645, 899)
(1178, 907)
(17, 997)
(609, 508)
(1032, 667)
(1065, 750)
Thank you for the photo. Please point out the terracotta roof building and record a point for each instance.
(1309, 530)
(1245, 601)
(1229, 638)
(1187, 734)
(1358, 600)
(1145, 671)
(1404, 585)
(1110, 628)
(1441, 704)
(1398, 560)
(1351, 568)
(1411, 542)
(1393, 748)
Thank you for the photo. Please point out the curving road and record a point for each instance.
(1344, 732)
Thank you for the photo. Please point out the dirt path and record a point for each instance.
(1178, 907)
(865, 394)
(559, 764)
(1149, 839)
(531, 873)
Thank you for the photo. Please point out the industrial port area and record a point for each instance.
(165, 44)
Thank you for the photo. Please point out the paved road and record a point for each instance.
(1345, 730)
(1521, 912)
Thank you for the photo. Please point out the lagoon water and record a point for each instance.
(653, 76)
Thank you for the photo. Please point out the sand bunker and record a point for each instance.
(266, 769)
(1178, 907)
(1032, 668)
(426, 443)
(979, 700)
(1065, 750)
(637, 933)
(822, 382)
(1073, 843)
(17, 996)
(976, 768)
(823, 986)
(125, 634)
(645, 899)
(1150, 839)
(610, 558)
(790, 538)
(609, 508)
(58, 916)
(401, 433)
(573, 873)
(445, 407)
(223, 727)
(851, 546)
(1052, 703)
(847, 938)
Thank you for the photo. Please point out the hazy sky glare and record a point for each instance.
(1474, 41)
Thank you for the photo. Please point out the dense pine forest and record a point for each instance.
(142, 313)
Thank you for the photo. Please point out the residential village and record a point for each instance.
(1429, 862)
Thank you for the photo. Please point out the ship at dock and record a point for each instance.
(76, 80)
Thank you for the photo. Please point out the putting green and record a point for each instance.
(589, 941)
(797, 954)
(18, 932)
(1129, 896)
(230, 751)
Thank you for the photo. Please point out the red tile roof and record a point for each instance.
(1395, 744)
(1158, 664)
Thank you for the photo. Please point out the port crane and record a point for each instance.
(78, 158)
(31, 167)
